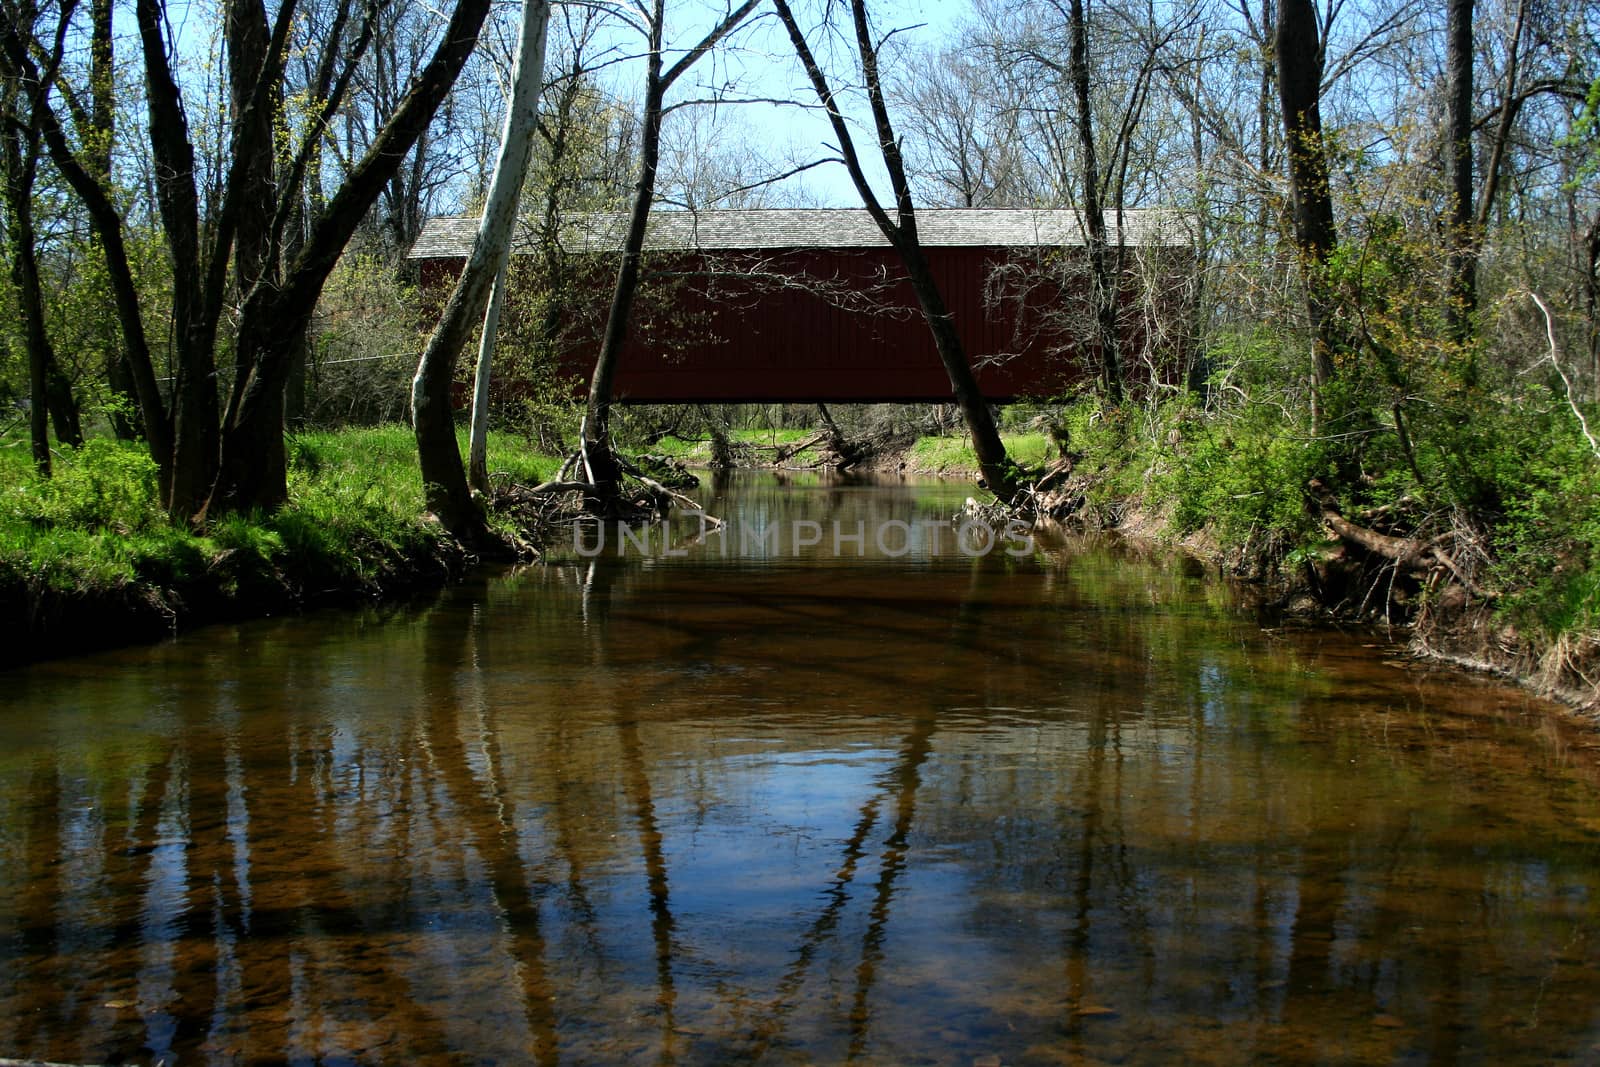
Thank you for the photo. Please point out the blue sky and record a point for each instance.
(761, 65)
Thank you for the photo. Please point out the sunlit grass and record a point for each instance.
(354, 519)
(942, 455)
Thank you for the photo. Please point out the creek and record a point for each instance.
(826, 786)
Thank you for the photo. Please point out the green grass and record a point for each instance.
(353, 520)
(954, 454)
(678, 448)
(773, 437)
(699, 450)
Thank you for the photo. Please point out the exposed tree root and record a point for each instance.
(565, 498)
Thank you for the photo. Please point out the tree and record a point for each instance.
(274, 316)
(1104, 285)
(1091, 92)
(23, 90)
(231, 247)
(963, 130)
(600, 461)
(88, 174)
(455, 147)
(1299, 49)
(901, 233)
(583, 162)
(480, 284)
(1462, 266)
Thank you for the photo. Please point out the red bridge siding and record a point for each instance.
(747, 327)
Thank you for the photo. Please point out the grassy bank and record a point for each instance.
(88, 558)
(751, 446)
(1474, 520)
(932, 455)
(954, 457)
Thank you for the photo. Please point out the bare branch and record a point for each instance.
(1555, 361)
(708, 42)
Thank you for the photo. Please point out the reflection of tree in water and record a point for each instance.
(900, 784)
(1181, 842)
(483, 815)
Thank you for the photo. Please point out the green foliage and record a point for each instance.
(96, 524)
(366, 338)
(1585, 137)
(1499, 466)
(104, 486)
(1243, 475)
(1529, 475)
(353, 520)
(954, 454)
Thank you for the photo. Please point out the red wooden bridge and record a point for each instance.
(800, 305)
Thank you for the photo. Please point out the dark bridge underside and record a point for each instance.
(830, 325)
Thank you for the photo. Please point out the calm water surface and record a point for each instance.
(766, 804)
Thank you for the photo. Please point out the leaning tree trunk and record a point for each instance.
(273, 321)
(600, 461)
(901, 232)
(444, 480)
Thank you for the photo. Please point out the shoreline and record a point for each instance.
(236, 580)
(1465, 638)
(54, 624)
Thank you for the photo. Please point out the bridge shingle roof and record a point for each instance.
(450, 237)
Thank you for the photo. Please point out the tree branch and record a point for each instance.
(1555, 361)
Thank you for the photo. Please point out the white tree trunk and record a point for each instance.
(478, 452)
(440, 456)
(500, 212)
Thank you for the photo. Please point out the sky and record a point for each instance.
(761, 65)
(756, 62)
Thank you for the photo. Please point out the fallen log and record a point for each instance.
(1419, 557)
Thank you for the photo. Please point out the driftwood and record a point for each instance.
(557, 486)
(564, 482)
(1416, 555)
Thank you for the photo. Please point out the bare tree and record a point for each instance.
(901, 232)
(603, 471)
(963, 129)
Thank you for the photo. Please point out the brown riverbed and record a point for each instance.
(795, 803)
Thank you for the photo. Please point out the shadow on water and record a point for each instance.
(791, 804)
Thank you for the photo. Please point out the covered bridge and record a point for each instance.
(800, 305)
